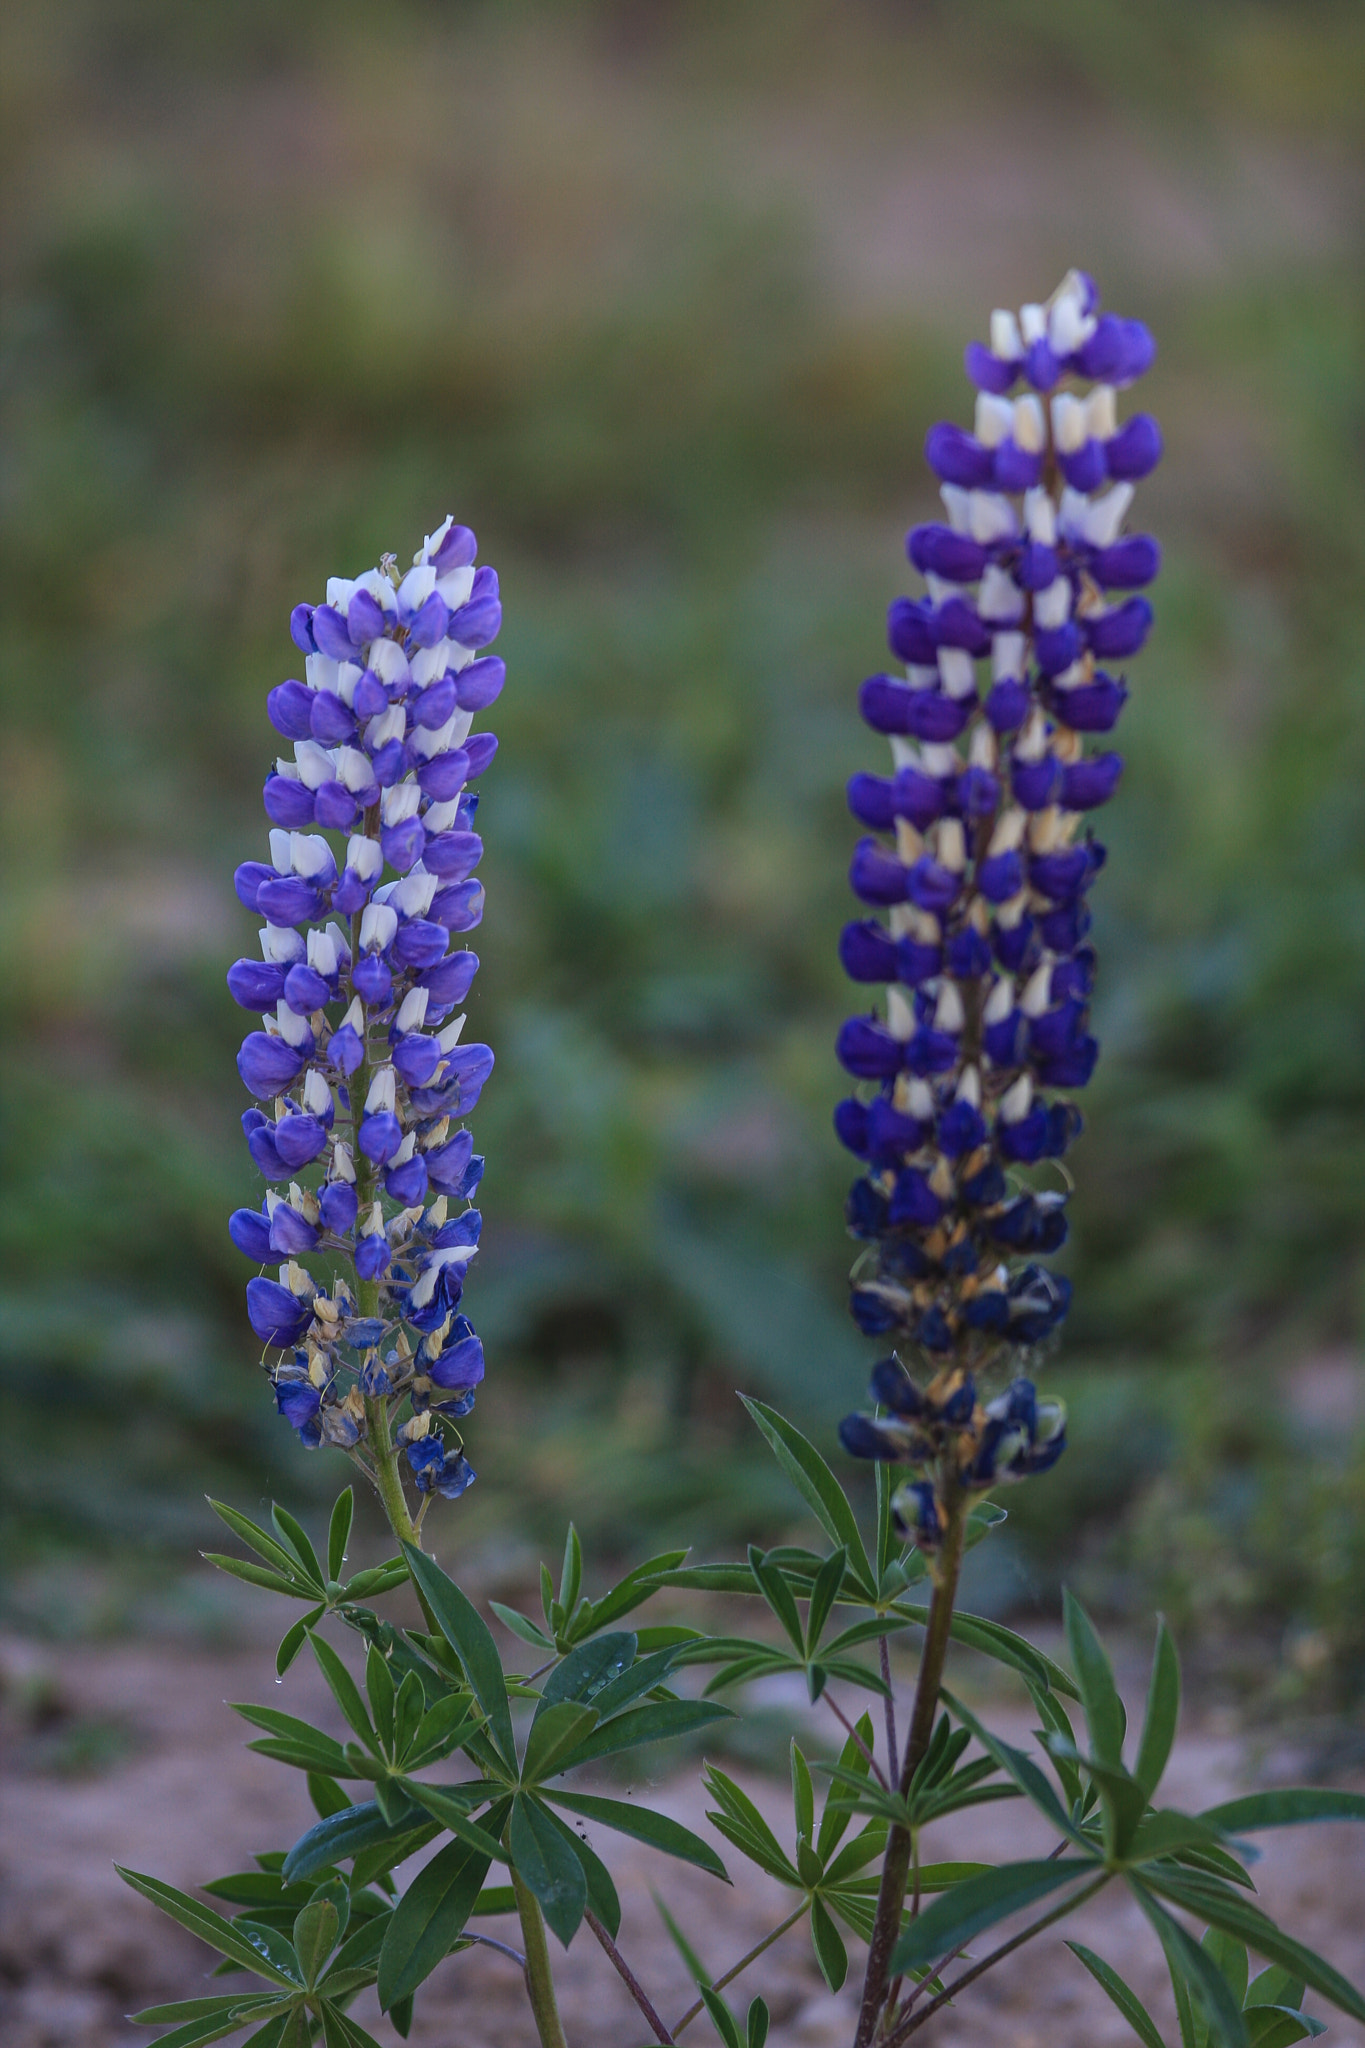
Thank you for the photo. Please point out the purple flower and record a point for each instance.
(358, 1061)
(979, 857)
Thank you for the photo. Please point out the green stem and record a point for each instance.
(540, 1987)
(743, 1964)
(896, 1862)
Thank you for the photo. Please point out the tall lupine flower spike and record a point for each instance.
(360, 1056)
(980, 856)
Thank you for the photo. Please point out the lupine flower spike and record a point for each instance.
(360, 1057)
(979, 855)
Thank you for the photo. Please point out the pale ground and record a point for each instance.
(187, 1801)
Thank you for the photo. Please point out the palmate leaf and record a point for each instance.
(601, 1891)
(1127, 2000)
(520, 1625)
(431, 1913)
(338, 1531)
(853, 1758)
(265, 1545)
(554, 1734)
(969, 1908)
(628, 1593)
(644, 1825)
(211, 1927)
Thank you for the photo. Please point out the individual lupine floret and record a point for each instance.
(979, 853)
(948, 1434)
(359, 1065)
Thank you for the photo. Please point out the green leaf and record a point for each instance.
(449, 1804)
(1189, 1965)
(853, 1760)
(338, 1836)
(803, 1795)
(431, 1913)
(1226, 1909)
(888, 1542)
(548, 1867)
(326, 1795)
(1275, 1987)
(630, 1592)
(316, 1931)
(659, 1721)
(1022, 1769)
(519, 1625)
(211, 1927)
(1287, 1808)
(571, 1571)
(968, 1909)
(692, 1962)
(301, 1734)
(817, 1486)
(380, 1578)
(1167, 1833)
(601, 1891)
(258, 1575)
(1231, 1958)
(296, 1537)
(830, 1952)
(585, 1672)
(644, 1825)
(469, 1636)
(255, 1538)
(1104, 1713)
(994, 1640)
(408, 1712)
(1127, 2001)
(643, 1676)
(778, 1595)
(196, 2033)
(1163, 1711)
(293, 1639)
(379, 1686)
(756, 2032)
(721, 2017)
(554, 1733)
(1279, 2026)
(739, 1809)
(495, 1899)
(344, 1691)
(290, 2030)
(201, 2008)
(338, 1530)
(445, 1727)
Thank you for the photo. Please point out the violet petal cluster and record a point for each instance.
(360, 1058)
(980, 852)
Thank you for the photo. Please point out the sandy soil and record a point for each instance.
(168, 1787)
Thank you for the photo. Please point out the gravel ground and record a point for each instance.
(112, 1751)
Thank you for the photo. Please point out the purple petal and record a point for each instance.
(287, 803)
(289, 708)
(276, 1315)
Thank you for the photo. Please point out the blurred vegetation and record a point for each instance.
(661, 298)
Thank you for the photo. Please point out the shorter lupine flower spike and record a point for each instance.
(361, 1071)
(975, 867)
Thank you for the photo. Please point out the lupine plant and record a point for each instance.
(977, 861)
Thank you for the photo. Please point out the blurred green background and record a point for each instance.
(661, 298)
